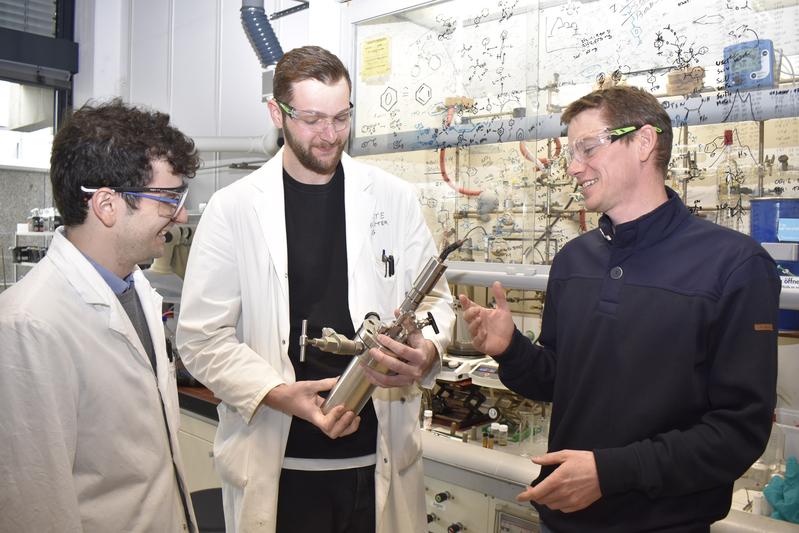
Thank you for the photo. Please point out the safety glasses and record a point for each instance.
(318, 122)
(170, 199)
(584, 148)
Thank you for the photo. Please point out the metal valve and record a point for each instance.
(429, 321)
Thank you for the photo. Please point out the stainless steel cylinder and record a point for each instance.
(353, 389)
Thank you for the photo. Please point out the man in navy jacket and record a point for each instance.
(658, 345)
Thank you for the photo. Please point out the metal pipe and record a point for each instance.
(687, 163)
(266, 144)
(761, 169)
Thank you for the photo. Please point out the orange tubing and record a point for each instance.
(443, 166)
(540, 162)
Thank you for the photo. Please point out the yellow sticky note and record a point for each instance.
(375, 58)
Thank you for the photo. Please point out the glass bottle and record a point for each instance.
(427, 423)
(503, 435)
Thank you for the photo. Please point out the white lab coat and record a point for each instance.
(233, 333)
(84, 445)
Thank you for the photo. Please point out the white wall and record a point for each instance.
(101, 29)
(191, 59)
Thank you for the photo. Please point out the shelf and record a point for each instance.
(35, 239)
(535, 278)
(35, 233)
(512, 276)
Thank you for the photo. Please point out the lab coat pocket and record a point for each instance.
(411, 451)
(406, 439)
(231, 449)
(172, 392)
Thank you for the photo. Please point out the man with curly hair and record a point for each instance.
(90, 409)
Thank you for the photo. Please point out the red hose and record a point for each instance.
(443, 166)
(541, 162)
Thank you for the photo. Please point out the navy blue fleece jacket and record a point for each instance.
(658, 350)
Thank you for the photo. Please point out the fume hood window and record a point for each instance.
(26, 125)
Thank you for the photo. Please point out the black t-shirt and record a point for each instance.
(317, 264)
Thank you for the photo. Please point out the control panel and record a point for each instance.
(455, 509)
(486, 374)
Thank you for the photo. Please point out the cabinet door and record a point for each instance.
(198, 457)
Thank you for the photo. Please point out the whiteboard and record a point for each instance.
(506, 59)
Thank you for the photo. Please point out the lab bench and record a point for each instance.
(466, 485)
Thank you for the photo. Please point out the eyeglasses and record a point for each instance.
(318, 121)
(585, 148)
(169, 204)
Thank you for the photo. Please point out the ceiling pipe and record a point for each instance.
(267, 48)
(265, 144)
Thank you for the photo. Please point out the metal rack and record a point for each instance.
(31, 235)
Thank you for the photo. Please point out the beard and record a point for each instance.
(308, 160)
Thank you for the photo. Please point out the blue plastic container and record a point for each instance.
(777, 220)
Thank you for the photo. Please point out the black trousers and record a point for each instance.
(332, 501)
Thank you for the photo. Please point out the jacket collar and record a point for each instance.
(78, 272)
(649, 228)
(117, 284)
(92, 288)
